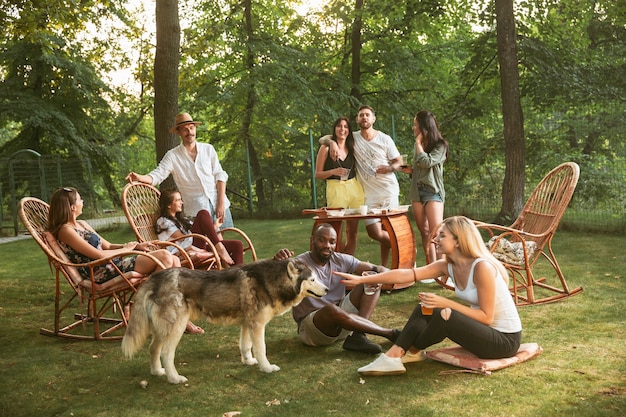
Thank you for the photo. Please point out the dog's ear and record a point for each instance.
(292, 270)
(297, 269)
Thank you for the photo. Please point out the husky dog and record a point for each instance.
(247, 295)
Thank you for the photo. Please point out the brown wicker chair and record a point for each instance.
(141, 207)
(537, 223)
(105, 302)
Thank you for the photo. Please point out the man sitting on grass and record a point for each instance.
(337, 316)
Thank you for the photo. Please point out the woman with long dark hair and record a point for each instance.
(427, 192)
(342, 187)
(172, 223)
(82, 244)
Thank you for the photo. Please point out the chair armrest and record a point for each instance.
(163, 244)
(506, 231)
(128, 278)
(209, 244)
(248, 246)
(501, 235)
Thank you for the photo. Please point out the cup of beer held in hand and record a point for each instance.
(370, 289)
(426, 311)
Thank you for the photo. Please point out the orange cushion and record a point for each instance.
(462, 358)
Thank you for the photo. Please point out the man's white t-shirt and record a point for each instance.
(369, 155)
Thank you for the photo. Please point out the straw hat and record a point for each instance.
(182, 119)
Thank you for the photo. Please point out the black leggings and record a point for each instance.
(483, 341)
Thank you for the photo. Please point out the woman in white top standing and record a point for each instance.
(489, 326)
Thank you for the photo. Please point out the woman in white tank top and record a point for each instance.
(486, 323)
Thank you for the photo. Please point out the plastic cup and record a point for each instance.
(363, 210)
(404, 163)
(346, 175)
(370, 289)
(426, 311)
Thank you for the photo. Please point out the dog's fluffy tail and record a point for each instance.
(139, 324)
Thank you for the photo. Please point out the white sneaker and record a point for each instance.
(427, 281)
(383, 365)
(414, 357)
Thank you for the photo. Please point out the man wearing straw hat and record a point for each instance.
(196, 171)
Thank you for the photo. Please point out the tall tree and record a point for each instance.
(512, 115)
(355, 37)
(166, 61)
(50, 90)
(249, 60)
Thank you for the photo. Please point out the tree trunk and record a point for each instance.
(357, 26)
(513, 118)
(246, 123)
(166, 76)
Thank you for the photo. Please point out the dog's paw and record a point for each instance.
(249, 361)
(270, 368)
(176, 379)
(158, 371)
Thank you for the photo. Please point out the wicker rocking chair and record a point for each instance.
(141, 206)
(529, 239)
(102, 304)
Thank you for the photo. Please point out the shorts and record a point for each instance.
(426, 194)
(312, 336)
(346, 194)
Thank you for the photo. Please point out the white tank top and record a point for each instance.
(505, 318)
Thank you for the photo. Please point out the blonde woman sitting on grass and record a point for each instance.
(489, 326)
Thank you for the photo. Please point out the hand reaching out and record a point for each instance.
(283, 254)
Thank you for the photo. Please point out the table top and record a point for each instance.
(350, 214)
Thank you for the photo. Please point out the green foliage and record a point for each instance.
(260, 76)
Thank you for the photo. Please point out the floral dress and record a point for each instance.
(102, 273)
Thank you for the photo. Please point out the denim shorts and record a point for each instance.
(228, 218)
(427, 194)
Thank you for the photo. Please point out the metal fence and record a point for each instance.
(27, 173)
(598, 204)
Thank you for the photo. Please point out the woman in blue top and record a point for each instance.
(82, 244)
(489, 326)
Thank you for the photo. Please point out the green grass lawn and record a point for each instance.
(582, 371)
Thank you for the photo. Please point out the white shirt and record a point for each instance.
(506, 318)
(369, 155)
(196, 181)
(167, 228)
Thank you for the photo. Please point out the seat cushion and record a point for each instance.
(462, 358)
(511, 253)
